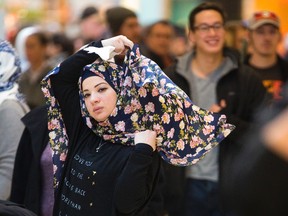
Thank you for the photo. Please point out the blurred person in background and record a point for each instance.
(20, 39)
(214, 78)
(12, 109)
(236, 37)
(257, 184)
(91, 27)
(157, 40)
(180, 44)
(59, 48)
(29, 83)
(123, 21)
(32, 182)
(264, 37)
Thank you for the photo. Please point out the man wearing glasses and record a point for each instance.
(264, 37)
(216, 81)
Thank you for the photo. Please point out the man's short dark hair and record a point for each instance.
(87, 12)
(116, 16)
(149, 28)
(202, 7)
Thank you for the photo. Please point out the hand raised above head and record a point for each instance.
(120, 43)
(111, 47)
(148, 137)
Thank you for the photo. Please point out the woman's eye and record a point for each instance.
(86, 95)
(102, 89)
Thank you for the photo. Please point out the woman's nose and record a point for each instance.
(95, 98)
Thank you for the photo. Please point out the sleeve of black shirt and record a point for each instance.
(66, 89)
(138, 180)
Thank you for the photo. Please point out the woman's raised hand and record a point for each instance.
(120, 43)
(148, 137)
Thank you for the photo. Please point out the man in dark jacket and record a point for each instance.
(215, 80)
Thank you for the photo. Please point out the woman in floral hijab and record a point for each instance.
(104, 157)
(148, 99)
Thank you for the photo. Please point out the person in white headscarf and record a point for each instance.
(12, 109)
(20, 44)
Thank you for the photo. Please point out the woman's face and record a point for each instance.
(35, 51)
(100, 98)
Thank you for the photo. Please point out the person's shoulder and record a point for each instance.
(246, 70)
(36, 118)
(250, 77)
(9, 103)
(177, 64)
(38, 111)
(14, 106)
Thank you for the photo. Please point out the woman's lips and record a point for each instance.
(97, 109)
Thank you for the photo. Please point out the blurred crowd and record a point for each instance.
(231, 67)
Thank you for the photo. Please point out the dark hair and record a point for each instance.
(149, 28)
(60, 39)
(116, 16)
(87, 12)
(41, 36)
(202, 7)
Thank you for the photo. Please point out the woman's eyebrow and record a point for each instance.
(95, 86)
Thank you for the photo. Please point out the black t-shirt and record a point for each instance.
(272, 79)
(96, 182)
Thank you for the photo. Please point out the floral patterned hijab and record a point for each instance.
(148, 99)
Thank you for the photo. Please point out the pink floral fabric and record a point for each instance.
(58, 138)
(148, 99)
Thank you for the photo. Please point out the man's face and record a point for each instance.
(160, 39)
(209, 33)
(265, 39)
(92, 28)
(131, 29)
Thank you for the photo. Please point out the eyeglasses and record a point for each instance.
(203, 28)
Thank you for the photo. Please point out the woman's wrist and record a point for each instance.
(144, 148)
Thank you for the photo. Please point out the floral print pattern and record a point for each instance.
(58, 138)
(148, 99)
